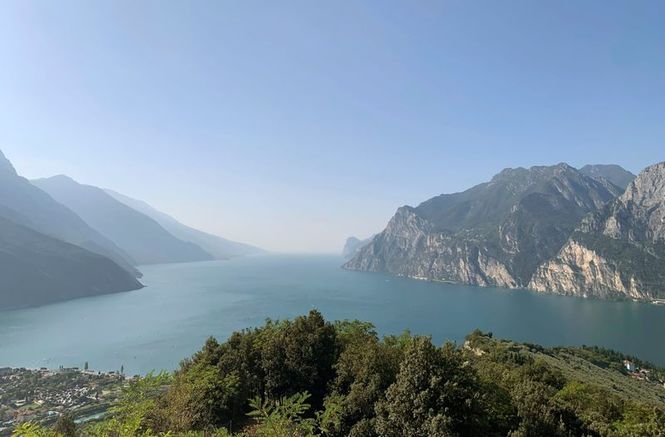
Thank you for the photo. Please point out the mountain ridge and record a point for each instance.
(219, 247)
(137, 234)
(613, 173)
(618, 251)
(47, 216)
(37, 269)
(495, 233)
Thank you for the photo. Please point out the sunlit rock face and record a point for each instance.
(617, 251)
(496, 233)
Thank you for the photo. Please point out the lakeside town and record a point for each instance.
(43, 395)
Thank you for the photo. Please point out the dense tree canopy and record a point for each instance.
(307, 377)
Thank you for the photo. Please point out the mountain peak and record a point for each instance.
(562, 166)
(613, 173)
(648, 187)
(6, 166)
(521, 173)
(59, 179)
(62, 177)
(658, 168)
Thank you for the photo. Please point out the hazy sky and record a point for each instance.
(292, 125)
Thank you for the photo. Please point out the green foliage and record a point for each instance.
(65, 426)
(33, 430)
(282, 418)
(366, 367)
(259, 381)
(435, 394)
(299, 356)
(131, 416)
(201, 398)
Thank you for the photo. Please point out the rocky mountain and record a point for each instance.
(610, 172)
(617, 251)
(145, 240)
(37, 269)
(352, 246)
(496, 233)
(219, 247)
(40, 212)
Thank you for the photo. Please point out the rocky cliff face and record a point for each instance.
(352, 246)
(580, 271)
(638, 215)
(617, 251)
(497, 233)
(410, 247)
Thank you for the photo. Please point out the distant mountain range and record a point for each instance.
(38, 269)
(33, 208)
(552, 229)
(218, 247)
(145, 240)
(60, 240)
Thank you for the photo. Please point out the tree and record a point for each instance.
(65, 425)
(29, 429)
(538, 416)
(202, 398)
(299, 356)
(435, 394)
(283, 418)
(366, 367)
(133, 414)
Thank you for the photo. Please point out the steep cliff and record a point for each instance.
(496, 233)
(617, 251)
(353, 245)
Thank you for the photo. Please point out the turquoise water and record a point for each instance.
(156, 327)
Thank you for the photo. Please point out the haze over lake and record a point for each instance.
(183, 304)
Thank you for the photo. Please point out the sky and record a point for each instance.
(295, 124)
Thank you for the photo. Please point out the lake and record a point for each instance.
(183, 304)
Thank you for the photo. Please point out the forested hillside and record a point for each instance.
(307, 376)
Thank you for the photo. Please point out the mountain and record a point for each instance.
(496, 233)
(352, 246)
(37, 269)
(140, 236)
(618, 251)
(612, 173)
(219, 247)
(40, 212)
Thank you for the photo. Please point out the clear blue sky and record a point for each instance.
(292, 125)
